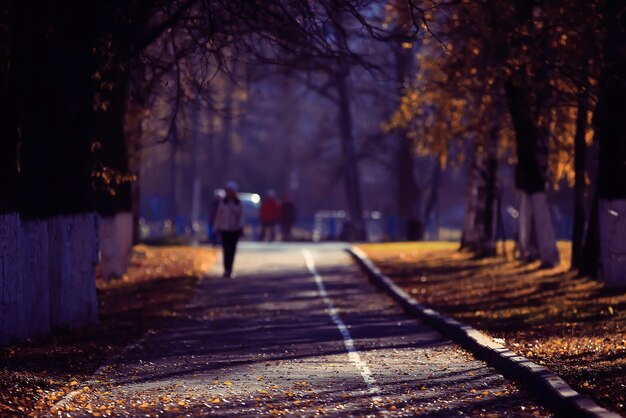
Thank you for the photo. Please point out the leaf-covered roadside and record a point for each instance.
(570, 324)
(36, 374)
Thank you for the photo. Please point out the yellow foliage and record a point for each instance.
(457, 95)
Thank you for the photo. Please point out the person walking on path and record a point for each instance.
(288, 216)
(229, 223)
(269, 213)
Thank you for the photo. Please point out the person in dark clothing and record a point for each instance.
(269, 214)
(229, 222)
(229, 248)
(288, 216)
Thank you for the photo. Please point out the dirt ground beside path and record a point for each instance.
(570, 324)
(36, 374)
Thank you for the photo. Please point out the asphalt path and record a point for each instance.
(298, 332)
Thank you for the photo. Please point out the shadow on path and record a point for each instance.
(264, 344)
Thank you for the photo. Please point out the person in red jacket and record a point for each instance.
(269, 214)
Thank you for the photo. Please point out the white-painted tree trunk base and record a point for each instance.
(546, 238)
(470, 234)
(125, 236)
(73, 257)
(116, 238)
(110, 259)
(612, 224)
(526, 248)
(11, 280)
(34, 269)
(535, 214)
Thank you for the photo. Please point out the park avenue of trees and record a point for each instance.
(476, 85)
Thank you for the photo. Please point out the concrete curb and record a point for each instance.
(553, 391)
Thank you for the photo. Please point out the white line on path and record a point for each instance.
(353, 354)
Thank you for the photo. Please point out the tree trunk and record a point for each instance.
(612, 228)
(172, 207)
(196, 191)
(526, 239)
(73, 256)
(52, 249)
(12, 313)
(480, 208)
(114, 198)
(471, 234)
(433, 198)
(12, 326)
(488, 247)
(351, 170)
(124, 224)
(136, 212)
(408, 195)
(590, 256)
(115, 244)
(133, 121)
(34, 268)
(111, 259)
(580, 147)
(9, 98)
(530, 172)
(609, 122)
(56, 93)
(542, 222)
(536, 237)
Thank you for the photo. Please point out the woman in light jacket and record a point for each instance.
(229, 223)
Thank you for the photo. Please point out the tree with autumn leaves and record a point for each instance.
(544, 79)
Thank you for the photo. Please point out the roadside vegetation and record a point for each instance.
(569, 323)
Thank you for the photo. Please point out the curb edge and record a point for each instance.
(552, 390)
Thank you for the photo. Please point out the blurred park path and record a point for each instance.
(298, 332)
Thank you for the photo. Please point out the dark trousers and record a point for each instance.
(286, 231)
(229, 246)
(267, 232)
